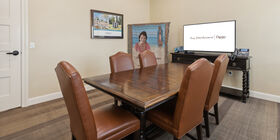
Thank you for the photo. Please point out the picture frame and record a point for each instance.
(156, 41)
(106, 25)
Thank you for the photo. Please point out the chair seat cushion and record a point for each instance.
(113, 122)
(162, 116)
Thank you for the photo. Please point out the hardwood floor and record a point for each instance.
(257, 119)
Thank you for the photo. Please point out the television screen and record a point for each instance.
(210, 37)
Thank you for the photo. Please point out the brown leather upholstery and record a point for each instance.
(188, 111)
(108, 122)
(113, 122)
(121, 62)
(214, 89)
(147, 59)
(216, 82)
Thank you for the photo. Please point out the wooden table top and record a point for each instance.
(142, 87)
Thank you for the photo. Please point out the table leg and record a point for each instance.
(142, 117)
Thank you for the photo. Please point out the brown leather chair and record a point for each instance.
(108, 122)
(213, 94)
(121, 62)
(147, 59)
(187, 112)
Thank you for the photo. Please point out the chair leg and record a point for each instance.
(198, 132)
(73, 137)
(175, 138)
(130, 137)
(216, 113)
(206, 121)
(116, 101)
(190, 136)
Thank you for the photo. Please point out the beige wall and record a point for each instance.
(257, 29)
(61, 31)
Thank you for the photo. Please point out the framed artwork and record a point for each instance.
(106, 24)
(150, 36)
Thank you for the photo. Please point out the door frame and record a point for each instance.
(24, 53)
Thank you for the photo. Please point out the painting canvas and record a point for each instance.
(151, 36)
(106, 24)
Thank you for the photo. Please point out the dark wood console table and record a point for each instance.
(241, 63)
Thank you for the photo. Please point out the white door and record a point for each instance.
(10, 64)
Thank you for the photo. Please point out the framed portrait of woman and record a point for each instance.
(148, 36)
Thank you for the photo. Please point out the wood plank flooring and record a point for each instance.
(257, 119)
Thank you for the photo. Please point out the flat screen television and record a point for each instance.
(210, 37)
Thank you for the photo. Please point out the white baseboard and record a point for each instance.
(56, 95)
(51, 96)
(88, 87)
(260, 95)
(265, 96)
(44, 98)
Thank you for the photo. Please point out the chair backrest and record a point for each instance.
(216, 82)
(147, 59)
(192, 95)
(81, 117)
(121, 62)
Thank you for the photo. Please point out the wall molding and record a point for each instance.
(49, 97)
(88, 87)
(44, 98)
(57, 95)
(260, 95)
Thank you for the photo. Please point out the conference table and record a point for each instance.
(142, 89)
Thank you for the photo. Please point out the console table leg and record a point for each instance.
(248, 91)
(244, 86)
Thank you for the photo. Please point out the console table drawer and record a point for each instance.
(185, 60)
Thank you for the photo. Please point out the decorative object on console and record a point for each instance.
(106, 24)
(243, 52)
(239, 53)
(179, 49)
(149, 36)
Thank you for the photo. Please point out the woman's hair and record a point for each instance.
(144, 34)
(159, 28)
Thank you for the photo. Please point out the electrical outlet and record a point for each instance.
(229, 73)
(32, 45)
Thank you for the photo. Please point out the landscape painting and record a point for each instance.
(106, 24)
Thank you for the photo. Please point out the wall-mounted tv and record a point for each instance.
(210, 37)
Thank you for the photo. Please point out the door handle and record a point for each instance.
(13, 53)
